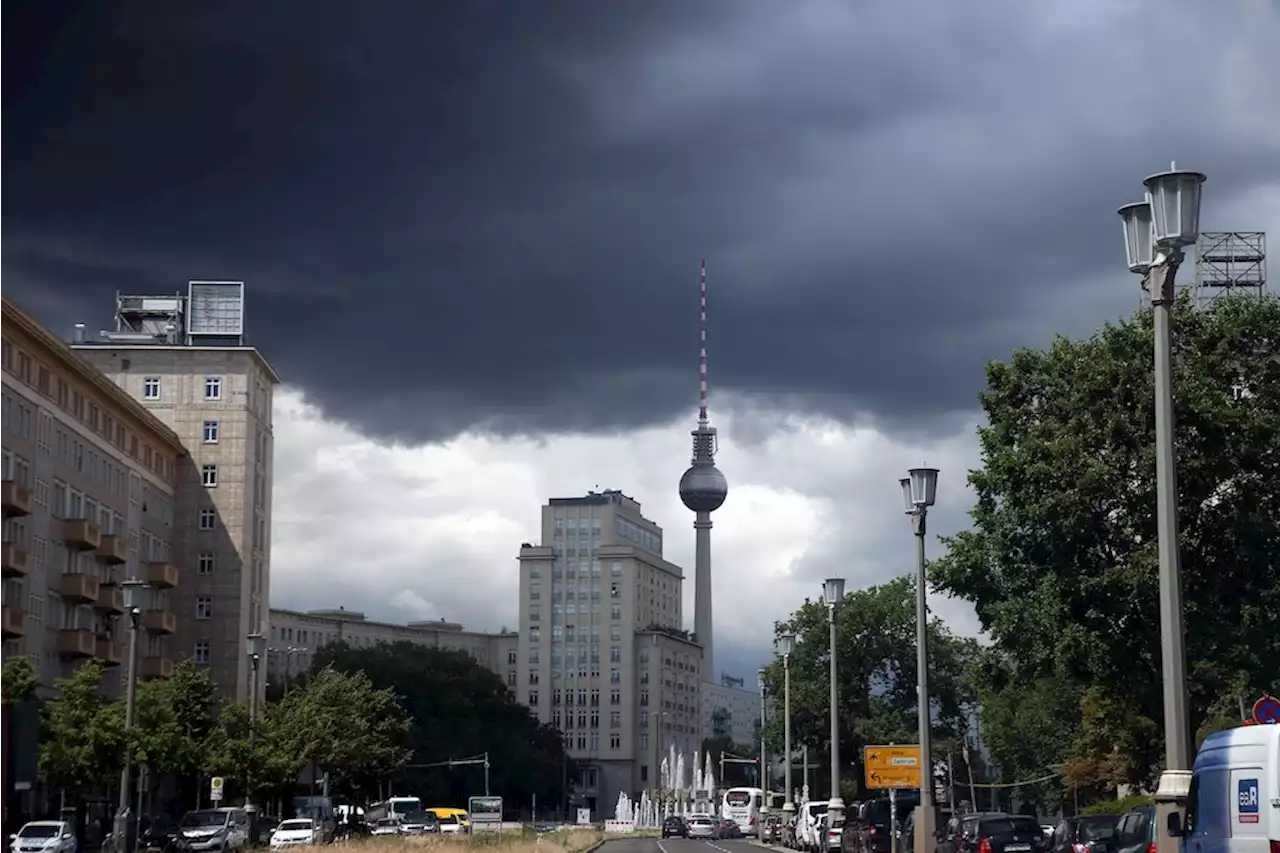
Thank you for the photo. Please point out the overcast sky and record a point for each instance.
(470, 233)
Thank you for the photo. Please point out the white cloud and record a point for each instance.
(432, 531)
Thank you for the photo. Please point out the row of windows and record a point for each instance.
(34, 374)
(151, 388)
(615, 742)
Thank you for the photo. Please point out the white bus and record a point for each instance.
(393, 807)
(742, 806)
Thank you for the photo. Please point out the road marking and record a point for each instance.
(661, 846)
(718, 847)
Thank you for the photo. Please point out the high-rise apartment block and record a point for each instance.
(89, 486)
(182, 358)
(602, 654)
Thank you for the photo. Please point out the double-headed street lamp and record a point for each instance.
(786, 645)
(256, 647)
(1156, 232)
(919, 491)
(764, 763)
(133, 611)
(833, 594)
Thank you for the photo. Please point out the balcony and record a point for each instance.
(78, 588)
(13, 619)
(159, 622)
(110, 599)
(113, 550)
(156, 667)
(162, 575)
(77, 643)
(81, 534)
(14, 560)
(16, 499)
(110, 652)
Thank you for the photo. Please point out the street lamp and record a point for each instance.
(764, 763)
(132, 589)
(1156, 232)
(833, 594)
(256, 643)
(919, 491)
(786, 645)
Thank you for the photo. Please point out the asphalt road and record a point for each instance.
(677, 845)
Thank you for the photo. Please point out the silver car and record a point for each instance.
(44, 836)
(701, 826)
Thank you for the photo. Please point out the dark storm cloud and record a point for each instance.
(486, 213)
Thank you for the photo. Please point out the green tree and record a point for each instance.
(174, 718)
(457, 709)
(20, 680)
(343, 724)
(82, 738)
(875, 643)
(1061, 560)
(256, 758)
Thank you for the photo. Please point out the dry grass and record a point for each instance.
(509, 841)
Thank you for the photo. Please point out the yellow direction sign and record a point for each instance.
(892, 766)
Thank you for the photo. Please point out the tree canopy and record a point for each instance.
(1061, 560)
(82, 733)
(876, 656)
(458, 709)
(20, 679)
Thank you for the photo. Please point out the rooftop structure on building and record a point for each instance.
(183, 356)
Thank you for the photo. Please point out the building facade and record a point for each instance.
(601, 653)
(295, 637)
(89, 498)
(218, 400)
(730, 710)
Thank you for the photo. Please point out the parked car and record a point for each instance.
(1136, 831)
(45, 836)
(1088, 834)
(217, 830)
(419, 823)
(674, 827)
(295, 832)
(771, 829)
(451, 824)
(868, 828)
(385, 826)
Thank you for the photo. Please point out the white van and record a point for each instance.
(1234, 805)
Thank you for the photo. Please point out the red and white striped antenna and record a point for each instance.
(702, 356)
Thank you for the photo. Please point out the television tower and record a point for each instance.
(703, 489)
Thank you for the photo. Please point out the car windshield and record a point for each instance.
(451, 819)
(47, 830)
(388, 821)
(295, 825)
(203, 820)
(1096, 830)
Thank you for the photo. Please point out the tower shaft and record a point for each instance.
(702, 626)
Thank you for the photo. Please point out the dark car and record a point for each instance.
(1136, 831)
(1004, 834)
(869, 830)
(1088, 834)
(675, 827)
(157, 836)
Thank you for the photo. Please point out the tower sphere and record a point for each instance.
(703, 488)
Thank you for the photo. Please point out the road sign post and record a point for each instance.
(215, 789)
(891, 767)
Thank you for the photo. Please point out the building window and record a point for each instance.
(615, 741)
(204, 607)
(202, 652)
(207, 518)
(533, 697)
(204, 563)
(151, 388)
(615, 612)
(213, 387)
(209, 476)
(511, 657)
(210, 432)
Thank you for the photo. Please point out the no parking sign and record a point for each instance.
(1266, 711)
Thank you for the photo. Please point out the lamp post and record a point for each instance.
(1156, 232)
(786, 645)
(256, 645)
(833, 594)
(764, 762)
(919, 491)
(124, 816)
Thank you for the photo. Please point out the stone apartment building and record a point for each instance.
(89, 483)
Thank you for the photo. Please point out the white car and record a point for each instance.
(294, 832)
(386, 826)
(450, 825)
(44, 836)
